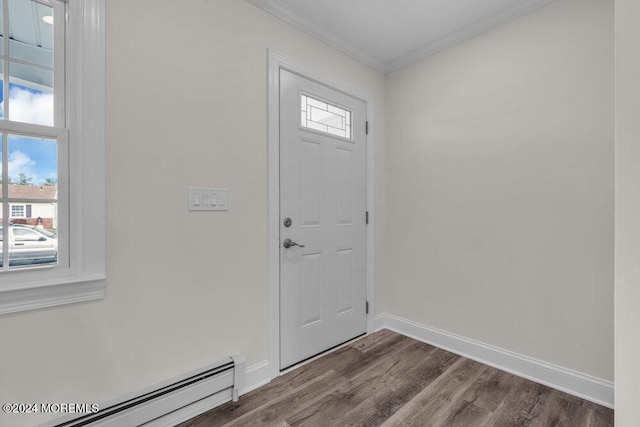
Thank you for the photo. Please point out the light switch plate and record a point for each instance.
(208, 199)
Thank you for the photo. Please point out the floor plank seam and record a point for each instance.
(391, 380)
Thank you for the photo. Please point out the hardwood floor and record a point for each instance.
(390, 380)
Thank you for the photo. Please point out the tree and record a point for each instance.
(23, 179)
(50, 182)
(10, 180)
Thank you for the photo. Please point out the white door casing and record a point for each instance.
(323, 285)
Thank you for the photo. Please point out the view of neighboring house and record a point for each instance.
(38, 211)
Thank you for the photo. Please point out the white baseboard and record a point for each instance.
(255, 376)
(566, 380)
(190, 411)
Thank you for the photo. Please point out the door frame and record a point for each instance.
(277, 62)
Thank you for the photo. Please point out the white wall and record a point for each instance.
(500, 187)
(186, 106)
(43, 210)
(498, 171)
(627, 300)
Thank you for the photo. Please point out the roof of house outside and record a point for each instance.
(27, 192)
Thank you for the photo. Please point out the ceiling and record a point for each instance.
(30, 41)
(389, 34)
(26, 25)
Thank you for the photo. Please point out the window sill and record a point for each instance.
(48, 294)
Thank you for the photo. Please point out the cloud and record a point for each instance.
(33, 107)
(30, 107)
(20, 162)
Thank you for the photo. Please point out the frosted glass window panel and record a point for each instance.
(324, 117)
(327, 117)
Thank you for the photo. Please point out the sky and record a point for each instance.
(36, 158)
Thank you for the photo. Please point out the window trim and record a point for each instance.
(307, 128)
(85, 278)
(13, 205)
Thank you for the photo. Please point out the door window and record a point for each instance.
(324, 117)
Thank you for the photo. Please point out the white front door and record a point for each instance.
(322, 214)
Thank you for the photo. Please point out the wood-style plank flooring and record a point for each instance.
(390, 380)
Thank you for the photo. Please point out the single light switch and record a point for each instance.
(196, 199)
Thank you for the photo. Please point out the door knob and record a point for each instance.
(289, 243)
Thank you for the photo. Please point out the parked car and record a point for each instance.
(29, 245)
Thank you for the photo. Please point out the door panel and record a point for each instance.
(344, 195)
(323, 191)
(310, 296)
(344, 278)
(311, 179)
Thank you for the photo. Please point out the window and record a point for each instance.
(52, 152)
(33, 117)
(324, 117)
(17, 211)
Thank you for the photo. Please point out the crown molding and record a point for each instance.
(260, 3)
(293, 17)
(478, 27)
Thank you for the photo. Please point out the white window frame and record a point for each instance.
(82, 276)
(13, 205)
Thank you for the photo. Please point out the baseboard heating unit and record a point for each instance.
(169, 402)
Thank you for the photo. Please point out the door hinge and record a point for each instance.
(366, 128)
(366, 217)
(366, 307)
